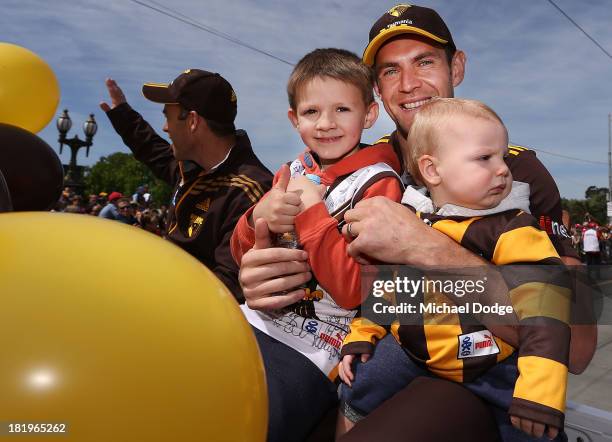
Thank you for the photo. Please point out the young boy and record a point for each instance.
(457, 153)
(331, 102)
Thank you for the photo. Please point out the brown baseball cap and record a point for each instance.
(207, 93)
(407, 19)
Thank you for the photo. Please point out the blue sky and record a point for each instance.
(550, 84)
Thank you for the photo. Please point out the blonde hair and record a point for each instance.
(338, 64)
(423, 137)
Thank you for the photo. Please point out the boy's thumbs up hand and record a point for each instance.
(283, 178)
(278, 207)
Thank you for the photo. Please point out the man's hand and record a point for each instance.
(383, 229)
(390, 232)
(309, 192)
(345, 368)
(279, 207)
(116, 95)
(534, 429)
(265, 271)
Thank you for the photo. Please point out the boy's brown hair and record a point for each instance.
(338, 64)
(429, 121)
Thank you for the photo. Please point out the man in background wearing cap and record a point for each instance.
(110, 211)
(415, 59)
(211, 165)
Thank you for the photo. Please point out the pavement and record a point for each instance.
(594, 386)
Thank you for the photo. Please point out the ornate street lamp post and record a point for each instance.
(74, 174)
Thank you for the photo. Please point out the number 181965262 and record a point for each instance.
(33, 427)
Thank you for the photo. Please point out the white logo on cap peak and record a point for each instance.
(399, 23)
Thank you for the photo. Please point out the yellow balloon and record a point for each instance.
(29, 91)
(121, 336)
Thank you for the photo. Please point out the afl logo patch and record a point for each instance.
(480, 343)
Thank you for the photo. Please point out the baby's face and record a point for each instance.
(471, 166)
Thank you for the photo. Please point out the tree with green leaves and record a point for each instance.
(123, 173)
(594, 204)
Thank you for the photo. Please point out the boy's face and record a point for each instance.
(471, 164)
(330, 117)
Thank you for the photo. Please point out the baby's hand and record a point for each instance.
(309, 192)
(533, 428)
(345, 370)
(279, 207)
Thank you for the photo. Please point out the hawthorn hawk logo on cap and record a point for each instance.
(398, 10)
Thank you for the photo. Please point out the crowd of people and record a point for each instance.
(136, 210)
(592, 241)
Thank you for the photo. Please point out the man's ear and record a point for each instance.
(458, 68)
(428, 166)
(193, 121)
(293, 117)
(371, 115)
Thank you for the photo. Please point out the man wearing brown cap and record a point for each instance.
(211, 165)
(415, 59)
